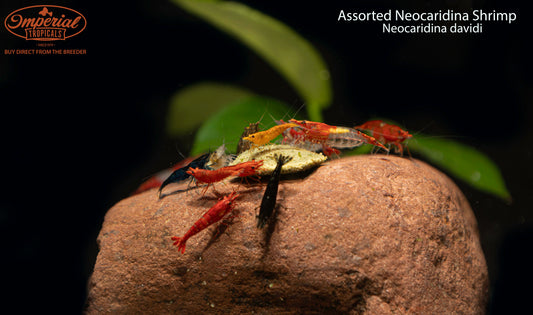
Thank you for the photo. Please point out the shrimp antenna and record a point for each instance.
(179, 152)
(419, 132)
(299, 109)
(274, 119)
(261, 118)
(424, 128)
(287, 114)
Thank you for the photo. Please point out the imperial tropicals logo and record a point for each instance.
(45, 23)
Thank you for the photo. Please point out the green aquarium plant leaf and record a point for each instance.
(364, 149)
(289, 53)
(464, 162)
(227, 125)
(190, 106)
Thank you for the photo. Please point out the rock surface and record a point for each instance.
(361, 235)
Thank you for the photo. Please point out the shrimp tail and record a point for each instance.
(180, 242)
(176, 177)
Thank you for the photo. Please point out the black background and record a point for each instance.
(79, 133)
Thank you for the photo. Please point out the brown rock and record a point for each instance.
(369, 234)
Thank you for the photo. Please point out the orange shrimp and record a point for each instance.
(387, 133)
(215, 214)
(263, 137)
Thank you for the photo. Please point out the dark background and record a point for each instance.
(79, 133)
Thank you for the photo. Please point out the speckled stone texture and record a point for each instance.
(360, 235)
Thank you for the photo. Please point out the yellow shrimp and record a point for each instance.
(263, 137)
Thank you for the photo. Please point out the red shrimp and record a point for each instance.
(332, 137)
(313, 132)
(247, 168)
(293, 135)
(211, 176)
(213, 215)
(387, 133)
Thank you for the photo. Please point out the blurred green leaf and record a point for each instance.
(364, 149)
(227, 125)
(289, 53)
(190, 106)
(464, 162)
